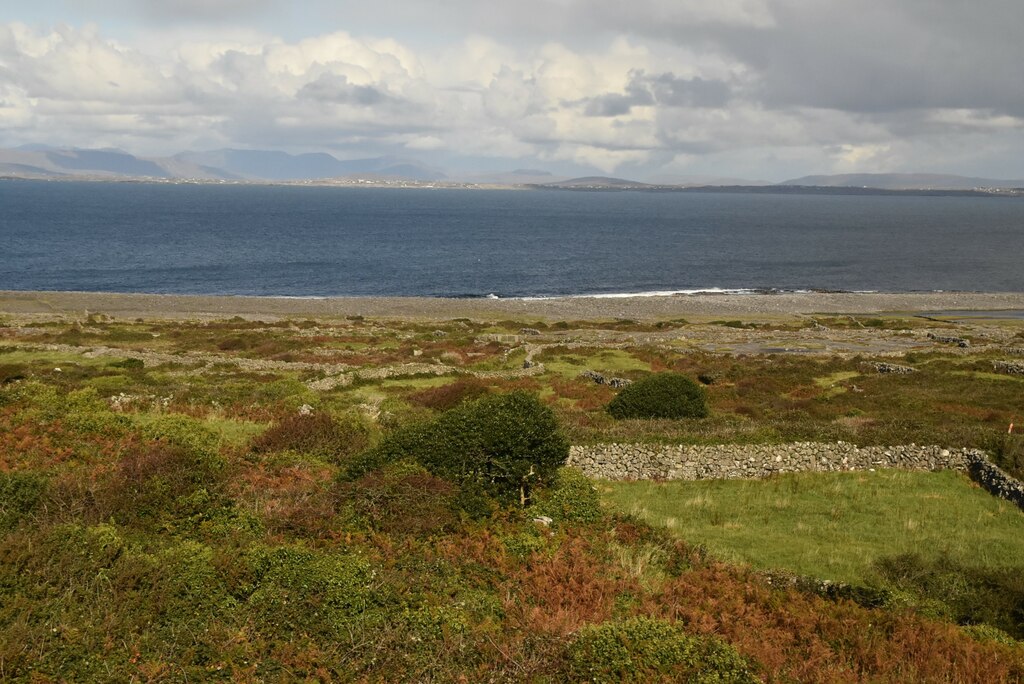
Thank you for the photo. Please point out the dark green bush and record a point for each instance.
(663, 395)
(131, 364)
(504, 444)
(966, 594)
(645, 649)
(20, 493)
(11, 373)
(1008, 453)
(571, 498)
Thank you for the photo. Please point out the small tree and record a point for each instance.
(505, 443)
(662, 395)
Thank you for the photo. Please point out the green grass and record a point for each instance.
(826, 381)
(229, 432)
(831, 525)
(981, 375)
(11, 354)
(573, 362)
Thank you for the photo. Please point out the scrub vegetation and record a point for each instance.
(359, 500)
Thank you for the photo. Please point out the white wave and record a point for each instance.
(648, 293)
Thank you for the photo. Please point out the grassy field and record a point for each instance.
(831, 525)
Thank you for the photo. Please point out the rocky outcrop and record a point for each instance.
(1011, 367)
(892, 368)
(602, 380)
(946, 339)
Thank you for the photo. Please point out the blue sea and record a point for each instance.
(323, 241)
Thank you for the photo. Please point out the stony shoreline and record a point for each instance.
(36, 303)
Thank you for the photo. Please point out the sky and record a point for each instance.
(645, 89)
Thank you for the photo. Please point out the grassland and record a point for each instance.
(175, 505)
(832, 525)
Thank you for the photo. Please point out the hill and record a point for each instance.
(226, 164)
(597, 183)
(903, 181)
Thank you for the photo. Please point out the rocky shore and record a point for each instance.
(565, 308)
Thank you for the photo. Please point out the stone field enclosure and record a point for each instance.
(364, 499)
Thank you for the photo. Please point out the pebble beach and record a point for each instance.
(638, 308)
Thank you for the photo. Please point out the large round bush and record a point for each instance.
(506, 444)
(662, 395)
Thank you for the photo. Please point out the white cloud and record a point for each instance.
(634, 95)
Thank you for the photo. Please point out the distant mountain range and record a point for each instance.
(873, 181)
(903, 181)
(36, 161)
(40, 161)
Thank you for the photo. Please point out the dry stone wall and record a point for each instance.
(731, 461)
(734, 461)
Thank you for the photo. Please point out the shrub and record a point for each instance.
(662, 395)
(317, 434)
(571, 498)
(403, 498)
(131, 364)
(10, 373)
(505, 444)
(79, 411)
(966, 594)
(296, 591)
(164, 477)
(985, 633)
(20, 493)
(448, 396)
(645, 649)
(1008, 453)
(185, 433)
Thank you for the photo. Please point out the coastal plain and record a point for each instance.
(177, 498)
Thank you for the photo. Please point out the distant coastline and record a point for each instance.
(408, 184)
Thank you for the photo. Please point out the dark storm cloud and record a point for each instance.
(688, 92)
(663, 89)
(869, 56)
(336, 88)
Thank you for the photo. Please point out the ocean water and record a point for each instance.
(319, 241)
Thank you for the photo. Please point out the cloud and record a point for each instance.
(647, 86)
(335, 88)
(191, 11)
(664, 89)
